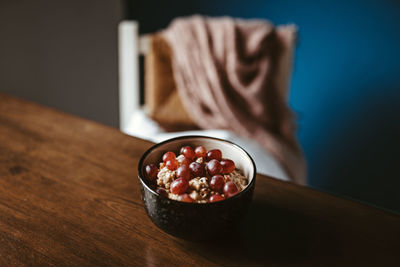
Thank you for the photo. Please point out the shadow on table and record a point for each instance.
(273, 235)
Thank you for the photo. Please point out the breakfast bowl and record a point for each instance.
(194, 220)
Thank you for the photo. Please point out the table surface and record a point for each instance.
(69, 195)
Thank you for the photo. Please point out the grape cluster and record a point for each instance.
(188, 166)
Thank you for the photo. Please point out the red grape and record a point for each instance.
(184, 161)
(168, 156)
(197, 169)
(214, 154)
(228, 165)
(162, 191)
(188, 152)
(217, 183)
(230, 189)
(214, 167)
(172, 165)
(183, 172)
(151, 171)
(216, 197)
(200, 151)
(185, 198)
(179, 186)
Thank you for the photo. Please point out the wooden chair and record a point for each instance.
(133, 112)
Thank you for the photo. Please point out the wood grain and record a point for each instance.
(69, 196)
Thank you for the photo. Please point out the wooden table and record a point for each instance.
(69, 195)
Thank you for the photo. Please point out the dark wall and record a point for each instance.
(345, 86)
(62, 54)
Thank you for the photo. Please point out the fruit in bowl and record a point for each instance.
(196, 187)
(196, 175)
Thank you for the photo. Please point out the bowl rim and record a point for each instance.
(140, 169)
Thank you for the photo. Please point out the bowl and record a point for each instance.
(197, 221)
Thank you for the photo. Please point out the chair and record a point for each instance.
(133, 118)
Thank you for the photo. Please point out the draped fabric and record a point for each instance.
(233, 74)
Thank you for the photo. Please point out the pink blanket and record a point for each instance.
(233, 74)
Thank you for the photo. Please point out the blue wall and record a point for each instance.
(345, 89)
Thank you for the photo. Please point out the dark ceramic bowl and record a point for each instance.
(193, 220)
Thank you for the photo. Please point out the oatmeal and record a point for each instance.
(238, 179)
(165, 177)
(198, 183)
(196, 175)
